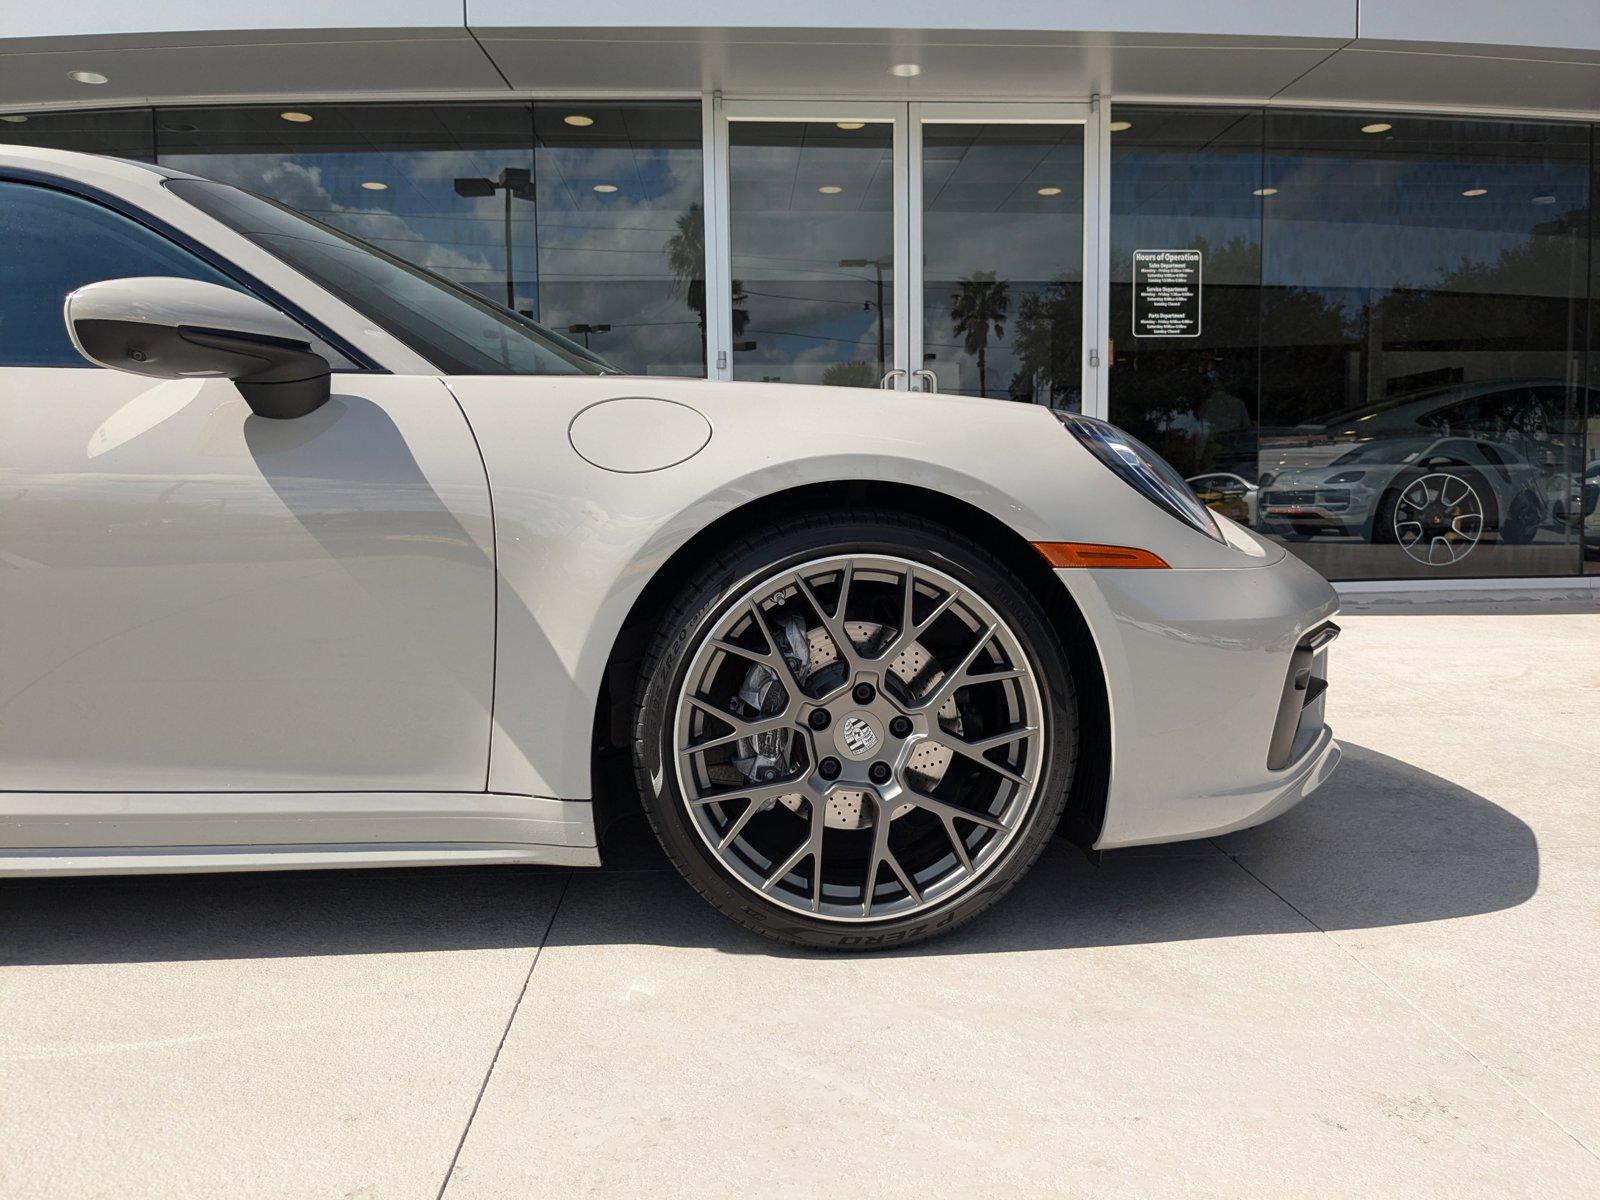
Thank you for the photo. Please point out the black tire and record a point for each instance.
(1523, 519)
(716, 590)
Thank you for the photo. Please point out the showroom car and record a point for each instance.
(1437, 498)
(313, 559)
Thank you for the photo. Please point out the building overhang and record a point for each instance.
(1290, 52)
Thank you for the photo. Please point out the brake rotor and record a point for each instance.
(917, 670)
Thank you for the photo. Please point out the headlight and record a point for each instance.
(1348, 477)
(1143, 469)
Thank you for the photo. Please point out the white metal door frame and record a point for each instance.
(907, 120)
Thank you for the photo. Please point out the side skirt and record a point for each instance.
(66, 833)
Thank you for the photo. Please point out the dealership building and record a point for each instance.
(1338, 260)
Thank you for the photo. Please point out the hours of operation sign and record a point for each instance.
(1166, 293)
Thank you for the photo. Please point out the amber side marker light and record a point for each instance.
(1091, 554)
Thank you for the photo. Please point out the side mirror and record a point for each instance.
(186, 329)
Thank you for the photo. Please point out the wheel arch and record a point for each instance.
(614, 790)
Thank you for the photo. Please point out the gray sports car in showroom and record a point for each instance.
(310, 558)
(1436, 497)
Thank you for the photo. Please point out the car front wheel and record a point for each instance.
(855, 730)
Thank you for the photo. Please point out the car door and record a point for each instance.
(197, 599)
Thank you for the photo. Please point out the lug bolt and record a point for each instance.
(819, 718)
(879, 772)
(863, 693)
(900, 727)
(828, 768)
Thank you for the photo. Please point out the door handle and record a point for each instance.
(889, 377)
(928, 377)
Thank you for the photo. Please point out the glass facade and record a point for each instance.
(1372, 336)
(1388, 367)
(584, 216)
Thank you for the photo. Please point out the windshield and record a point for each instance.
(458, 332)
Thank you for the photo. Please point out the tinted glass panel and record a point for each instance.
(1383, 362)
(456, 330)
(1186, 180)
(621, 240)
(52, 243)
(812, 231)
(1003, 260)
(572, 214)
(125, 133)
(1423, 289)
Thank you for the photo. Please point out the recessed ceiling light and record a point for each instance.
(87, 77)
(578, 119)
(1546, 198)
(373, 185)
(830, 189)
(1476, 192)
(1265, 192)
(1048, 191)
(1377, 127)
(850, 124)
(605, 189)
(905, 70)
(1120, 126)
(299, 118)
(14, 119)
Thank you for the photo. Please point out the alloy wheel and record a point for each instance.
(1438, 519)
(859, 737)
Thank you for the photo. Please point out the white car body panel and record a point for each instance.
(337, 686)
(199, 599)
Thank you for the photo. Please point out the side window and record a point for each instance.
(52, 242)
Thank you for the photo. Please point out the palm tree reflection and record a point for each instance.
(981, 306)
(686, 258)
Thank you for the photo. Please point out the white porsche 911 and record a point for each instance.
(309, 558)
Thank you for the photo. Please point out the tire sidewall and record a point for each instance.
(707, 601)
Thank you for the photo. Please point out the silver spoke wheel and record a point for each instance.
(859, 737)
(1438, 519)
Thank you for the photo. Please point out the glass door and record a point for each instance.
(997, 207)
(815, 229)
(923, 247)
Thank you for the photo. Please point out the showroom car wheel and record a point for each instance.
(1436, 517)
(857, 731)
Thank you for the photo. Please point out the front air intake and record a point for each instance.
(1302, 688)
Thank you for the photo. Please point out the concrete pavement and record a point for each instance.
(1390, 991)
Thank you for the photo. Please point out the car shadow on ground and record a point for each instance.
(1383, 843)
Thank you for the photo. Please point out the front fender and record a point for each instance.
(577, 544)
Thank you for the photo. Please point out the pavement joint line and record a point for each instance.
(450, 1170)
(1414, 1006)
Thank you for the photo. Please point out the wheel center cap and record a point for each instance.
(858, 736)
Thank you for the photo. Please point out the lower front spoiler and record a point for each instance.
(1261, 804)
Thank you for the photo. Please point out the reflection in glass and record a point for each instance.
(1422, 295)
(126, 133)
(621, 243)
(1389, 374)
(1186, 180)
(1002, 306)
(811, 226)
(571, 223)
(420, 181)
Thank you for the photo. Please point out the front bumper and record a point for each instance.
(1195, 664)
